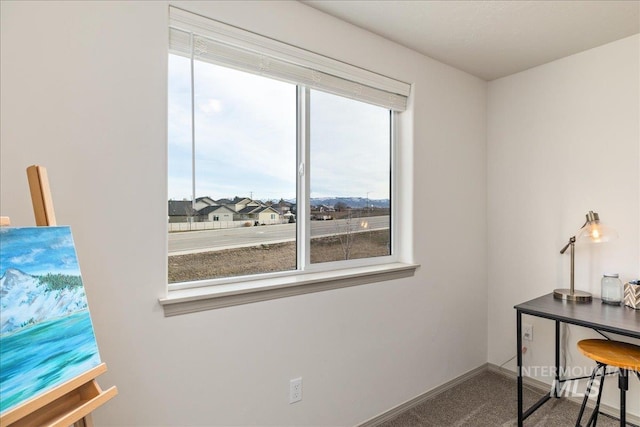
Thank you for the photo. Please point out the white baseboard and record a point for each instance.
(397, 410)
(530, 382)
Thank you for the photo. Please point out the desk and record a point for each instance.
(619, 320)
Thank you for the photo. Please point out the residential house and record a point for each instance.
(283, 206)
(258, 214)
(267, 215)
(239, 209)
(203, 202)
(326, 208)
(239, 204)
(181, 211)
(216, 213)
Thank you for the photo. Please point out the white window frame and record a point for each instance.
(208, 294)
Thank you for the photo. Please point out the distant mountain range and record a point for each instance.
(27, 300)
(352, 202)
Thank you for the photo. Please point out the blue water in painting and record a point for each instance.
(42, 356)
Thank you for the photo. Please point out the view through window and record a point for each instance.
(233, 208)
(350, 179)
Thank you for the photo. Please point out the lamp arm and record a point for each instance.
(572, 240)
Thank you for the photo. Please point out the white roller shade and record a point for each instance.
(212, 41)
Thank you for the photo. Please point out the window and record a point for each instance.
(350, 169)
(238, 154)
(280, 161)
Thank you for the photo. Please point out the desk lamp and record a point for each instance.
(594, 231)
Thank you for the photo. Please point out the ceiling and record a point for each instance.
(492, 39)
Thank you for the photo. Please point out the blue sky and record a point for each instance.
(38, 250)
(245, 138)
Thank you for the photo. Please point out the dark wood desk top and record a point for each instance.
(620, 320)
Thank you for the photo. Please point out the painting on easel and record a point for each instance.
(46, 334)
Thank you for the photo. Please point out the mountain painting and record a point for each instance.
(46, 334)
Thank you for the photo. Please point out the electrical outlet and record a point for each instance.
(527, 332)
(295, 390)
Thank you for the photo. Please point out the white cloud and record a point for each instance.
(211, 106)
(63, 242)
(26, 258)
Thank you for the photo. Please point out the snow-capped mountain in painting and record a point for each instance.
(26, 300)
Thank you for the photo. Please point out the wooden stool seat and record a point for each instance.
(613, 353)
(622, 355)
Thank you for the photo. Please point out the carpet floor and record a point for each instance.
(490, 400)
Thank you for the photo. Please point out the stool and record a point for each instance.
(622, 355)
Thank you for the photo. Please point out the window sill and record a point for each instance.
(209, 298)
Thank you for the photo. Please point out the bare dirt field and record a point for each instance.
(275, 257)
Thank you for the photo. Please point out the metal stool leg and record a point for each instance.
(623, 385)
(596, 411)
(588, 392)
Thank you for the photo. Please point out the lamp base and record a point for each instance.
(567, 295)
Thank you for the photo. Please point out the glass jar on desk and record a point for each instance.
(612, 290)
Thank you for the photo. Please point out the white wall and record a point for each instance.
(563, 139)
(83, 89)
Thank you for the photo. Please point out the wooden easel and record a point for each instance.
(72, 402)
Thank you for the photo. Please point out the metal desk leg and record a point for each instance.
(523, 415)
(519, 359)
(557, 385)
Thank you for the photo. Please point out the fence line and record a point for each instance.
(215, 225)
